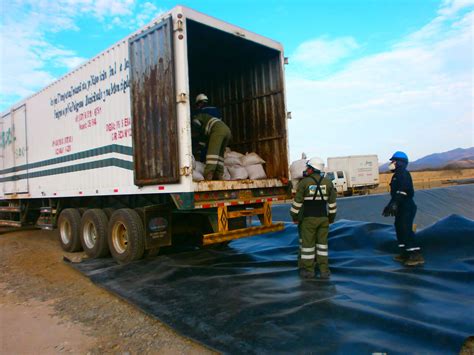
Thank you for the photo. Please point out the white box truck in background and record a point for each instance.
(355, 174)
(105, 153)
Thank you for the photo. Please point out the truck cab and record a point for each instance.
(339, 181)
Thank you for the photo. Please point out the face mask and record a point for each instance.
(392, 166)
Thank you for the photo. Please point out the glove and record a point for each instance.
(390, 209)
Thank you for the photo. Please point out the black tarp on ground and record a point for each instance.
(433, 205)
(247, 297)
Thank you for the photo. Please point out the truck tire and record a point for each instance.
(94, 233)
(126, 236)
(108, 211)
(69, 227)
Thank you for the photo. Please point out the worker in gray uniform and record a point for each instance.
(314, 208)
(216, 135)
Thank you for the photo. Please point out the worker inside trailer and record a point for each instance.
(210, 138)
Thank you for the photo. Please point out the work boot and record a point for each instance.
(325, 275)
(306, 274)
(401, 258)
(414, 259)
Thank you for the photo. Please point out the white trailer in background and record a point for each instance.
(355, 174)
(105, 152)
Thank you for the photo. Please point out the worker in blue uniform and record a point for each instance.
(403, 207)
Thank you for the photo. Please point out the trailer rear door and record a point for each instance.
(153, 105)
(14, 152)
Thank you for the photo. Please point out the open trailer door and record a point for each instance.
(153, 105)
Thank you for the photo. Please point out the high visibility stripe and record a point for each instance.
(322, 253)
(332, 210)
(322, 246)
(402, 193)
(210, 124)
(197, 122)
(220, 163)
(311, 198)
(307, 256)
(308, 250)
(413, 249)
(202, 143)
(332, 205)
(401, 245)
(214, 156)
(297, 204)
(294, 210)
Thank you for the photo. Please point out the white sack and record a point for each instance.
(251, 159)
(232, 160)
(297, 168)
(197, 176)
(256, 171)
(230, 153)
(226, 174)
(200, 167)
(238, 172)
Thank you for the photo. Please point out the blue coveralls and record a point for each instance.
(402, 192)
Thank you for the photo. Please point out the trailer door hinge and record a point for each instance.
(185, 171)
(182, 98)
(179, 25)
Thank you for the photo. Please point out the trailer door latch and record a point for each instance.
(182, 98)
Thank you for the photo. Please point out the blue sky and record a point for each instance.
(365, 76)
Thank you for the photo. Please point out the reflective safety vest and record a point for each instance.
(317, 196)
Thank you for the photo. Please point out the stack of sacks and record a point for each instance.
(233, 165)
(198, 171)
(253, 165)
(296, 170)
(237, 166)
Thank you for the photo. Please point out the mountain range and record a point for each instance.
(454, 159)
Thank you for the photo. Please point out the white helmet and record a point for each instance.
(316, 164)
(201, 97)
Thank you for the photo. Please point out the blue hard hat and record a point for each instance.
(399, 156)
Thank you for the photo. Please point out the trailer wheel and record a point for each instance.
(69, 227)
(126, 236)
(94, 233)
(108, 211)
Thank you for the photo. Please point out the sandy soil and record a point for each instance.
(46, 307)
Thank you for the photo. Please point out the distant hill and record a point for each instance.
(454, 159)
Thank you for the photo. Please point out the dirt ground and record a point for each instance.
(46, 307)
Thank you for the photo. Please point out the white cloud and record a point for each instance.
(28, 59)
(321, 52)
(416, 97)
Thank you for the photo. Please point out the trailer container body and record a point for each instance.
(354, 174)
(113, 138)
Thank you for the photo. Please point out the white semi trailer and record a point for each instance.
(105, 153)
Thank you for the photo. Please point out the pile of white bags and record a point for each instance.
(248, 166)
(237, 166)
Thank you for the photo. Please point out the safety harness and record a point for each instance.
(315, 207)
